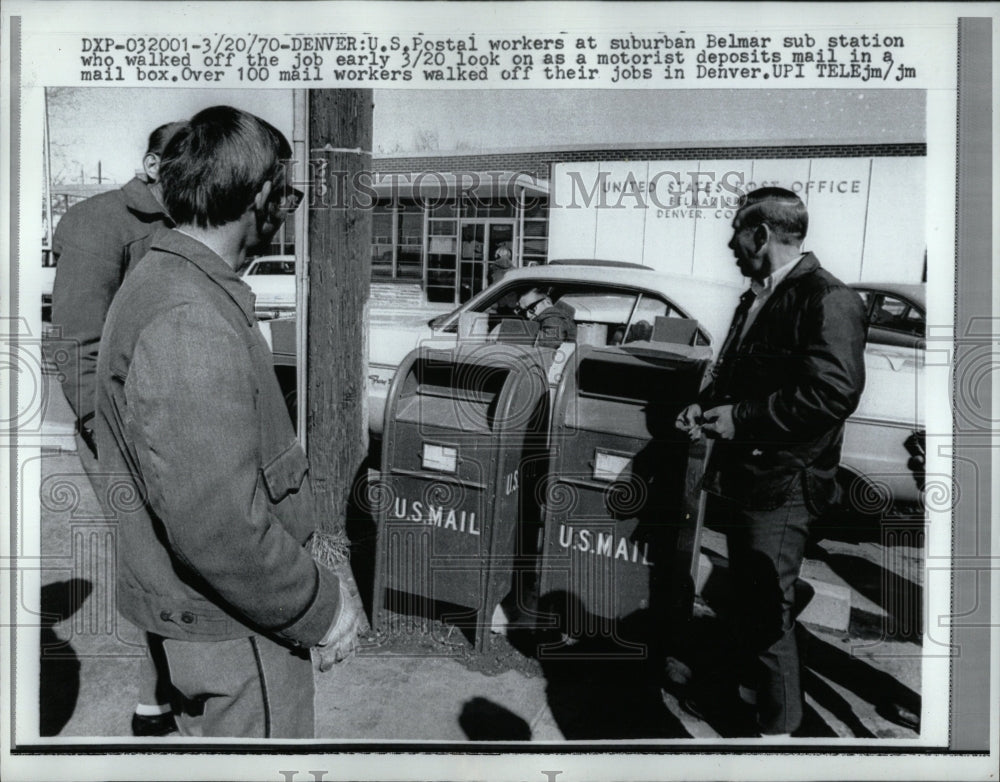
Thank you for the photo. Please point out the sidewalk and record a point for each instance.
(432, 687)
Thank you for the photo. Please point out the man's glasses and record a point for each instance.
(530, 309)
(289, 199)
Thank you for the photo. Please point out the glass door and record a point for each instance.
(481, 240)
(472, 266)
(499, 249)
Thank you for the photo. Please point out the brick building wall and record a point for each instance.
(538, 162)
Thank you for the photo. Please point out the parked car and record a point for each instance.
(883, 460)
(616, 303)
(272, 280)
(611, 306)
(897, 312)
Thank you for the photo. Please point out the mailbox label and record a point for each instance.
(435, 515)
(604, 544)
(511, 482)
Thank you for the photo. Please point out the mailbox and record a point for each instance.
(621, 502)
(464, 428)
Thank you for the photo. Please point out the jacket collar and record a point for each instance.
(773, 279)
(140, 199)
(217, 270)
(807, 264)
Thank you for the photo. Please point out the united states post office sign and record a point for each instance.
(866, 214)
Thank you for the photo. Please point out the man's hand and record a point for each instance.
(719, 423)
(340, 641)
(689, 421)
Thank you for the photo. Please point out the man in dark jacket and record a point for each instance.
(555, 321)
(211, 553)
(788, 375)
(96, 244)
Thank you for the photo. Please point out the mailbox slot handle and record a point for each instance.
(589, 484)
(434, 476)
(458, 394)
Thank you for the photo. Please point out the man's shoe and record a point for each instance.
(151, 725)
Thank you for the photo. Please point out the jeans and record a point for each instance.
(765, 553)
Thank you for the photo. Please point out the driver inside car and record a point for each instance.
(555, 320)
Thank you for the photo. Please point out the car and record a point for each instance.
(272, 280)
(611, 305)
(883, 459)
(897, 313)
(615, 303)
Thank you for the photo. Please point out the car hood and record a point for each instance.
(390, 339)
(390, 336)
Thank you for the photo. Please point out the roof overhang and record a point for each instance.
(448, 184)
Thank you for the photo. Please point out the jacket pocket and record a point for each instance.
(821, 490)
(284, 474)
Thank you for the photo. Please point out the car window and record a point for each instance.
(607, 315)
(896, 314)
(273, 267)
(644, 318)
(606, 312)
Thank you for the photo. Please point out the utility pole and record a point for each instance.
(339, 142)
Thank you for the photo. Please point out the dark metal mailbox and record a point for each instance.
(621, 513)
(461, 427)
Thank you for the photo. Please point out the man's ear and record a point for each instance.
(262, 196)
(761, 236)
(151, 167)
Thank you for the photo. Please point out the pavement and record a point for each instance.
(859, 636)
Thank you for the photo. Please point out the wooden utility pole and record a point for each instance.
(339, 141)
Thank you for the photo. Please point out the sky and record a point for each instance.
(110, 125)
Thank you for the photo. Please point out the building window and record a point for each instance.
(397, 241)
(382, 267)
(442, 259)
(409, 241)
(534, 239)
(450, 246)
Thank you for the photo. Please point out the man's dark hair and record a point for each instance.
(160, 137)
(781, 210)
(212, 168)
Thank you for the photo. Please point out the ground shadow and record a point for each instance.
(709, 653)
(59, 685)
(901, 598)
(484, 720)
(892, 700)
(606, 685)
(896, 526)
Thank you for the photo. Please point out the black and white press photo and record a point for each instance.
(498, 399)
